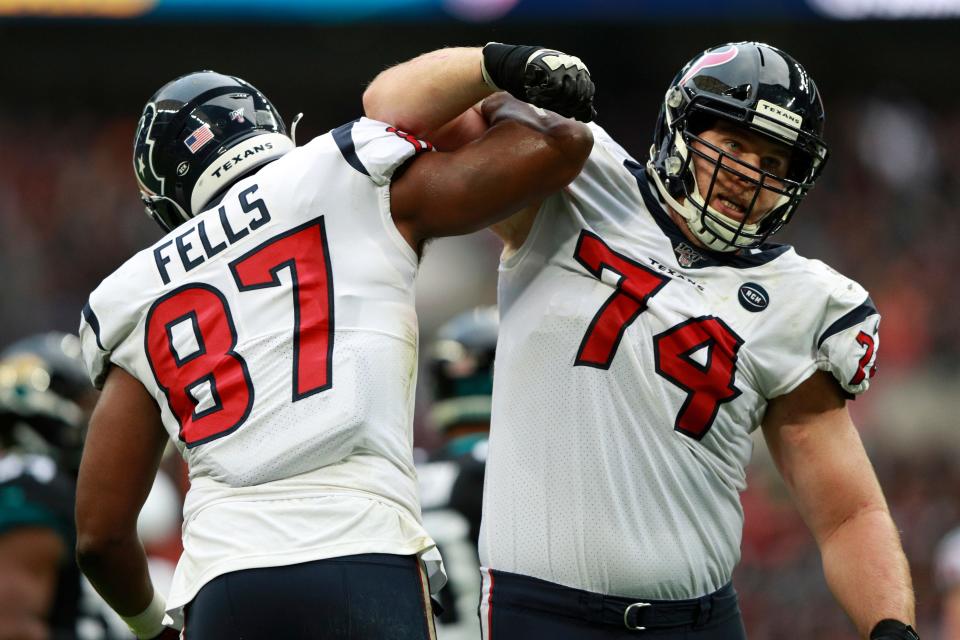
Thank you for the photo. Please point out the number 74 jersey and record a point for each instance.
(631, 370)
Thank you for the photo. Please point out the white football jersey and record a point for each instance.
(631, 370)
(277, 333)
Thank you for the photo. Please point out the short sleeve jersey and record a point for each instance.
(277, 333)
(631, 370)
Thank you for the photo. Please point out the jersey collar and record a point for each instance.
(686, 255)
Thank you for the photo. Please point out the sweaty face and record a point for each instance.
(738, 180)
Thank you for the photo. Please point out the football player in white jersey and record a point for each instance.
(271, 335)
(647, 329)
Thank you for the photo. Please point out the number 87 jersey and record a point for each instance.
(277, 333)
(631, 370)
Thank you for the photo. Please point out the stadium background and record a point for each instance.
(886, 212)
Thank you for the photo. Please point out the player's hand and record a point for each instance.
(545, 78)
(561, 83)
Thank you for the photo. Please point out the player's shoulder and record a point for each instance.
(376, 149)
(129, 285)
(607, 186)
(114, 308)
(811, 275)
(817, 295)
(843, 320)
(607, 152)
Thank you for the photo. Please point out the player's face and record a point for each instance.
(737, 183)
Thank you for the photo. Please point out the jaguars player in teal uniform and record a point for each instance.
(647, 328)
(45, 398)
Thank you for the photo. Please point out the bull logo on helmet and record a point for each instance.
(143, 156)
(712, 59)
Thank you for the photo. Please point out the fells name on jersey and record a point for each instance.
(230, 229)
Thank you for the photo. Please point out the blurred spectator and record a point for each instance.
(948, 580)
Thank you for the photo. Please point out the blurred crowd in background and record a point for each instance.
(886, 213)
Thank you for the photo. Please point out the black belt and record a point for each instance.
(636, 614)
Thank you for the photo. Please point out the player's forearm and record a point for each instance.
(117, 568)
(421, 95)
(867, 571)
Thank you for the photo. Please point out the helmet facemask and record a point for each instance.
(163, 210)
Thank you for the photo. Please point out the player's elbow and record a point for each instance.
(381, 103)
(375, 103)
(93, 549)
(571, 142)
(98, 536)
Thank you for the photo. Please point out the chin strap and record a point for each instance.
(704, 234)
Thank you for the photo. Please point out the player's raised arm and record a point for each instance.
(524, 156)
(427, 92)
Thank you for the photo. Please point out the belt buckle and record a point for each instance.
(626, 616)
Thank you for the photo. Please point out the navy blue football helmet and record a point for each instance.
(199, 134)
(751, 85)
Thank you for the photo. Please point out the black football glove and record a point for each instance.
(893, 630)
(543, 77)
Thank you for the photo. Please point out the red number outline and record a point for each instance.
(163, 343)
(247, 277)
(306, 331)
(718, 339)
(866, 340)
(624, 305)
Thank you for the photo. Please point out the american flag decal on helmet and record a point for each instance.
(712, 59)
(198, 138)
